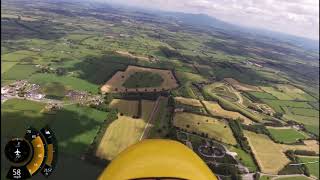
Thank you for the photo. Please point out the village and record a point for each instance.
(23, 89)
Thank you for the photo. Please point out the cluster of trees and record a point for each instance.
(289, 169)
(192, 109)
(169, 53)
(257, 128)
(273, 122)
(239, 135)
(226, 170)
(111, 116)
(134, 96)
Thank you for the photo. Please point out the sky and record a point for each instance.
(296, 17)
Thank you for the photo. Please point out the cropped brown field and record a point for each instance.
(215, 129)
(188, 101)
(270, 155)
(115, 84)
(126, 130)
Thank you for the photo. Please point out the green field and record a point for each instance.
(5, 66)
(278, 104)
(184, 90)
(67, 81)
(305, 112)
(288, 92)
(192, 77)
(265, 177)
(312, 167)
(278, 94)
(245, 158)
(286, 135)
(143, 80)
(311, 123)
(161, 122)
(262, 95)
(99, 70)
(294, 178)
(17, 55)
(19, 71)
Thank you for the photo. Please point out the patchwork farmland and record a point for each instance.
(106, 78)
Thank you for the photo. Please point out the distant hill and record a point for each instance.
(205, 20)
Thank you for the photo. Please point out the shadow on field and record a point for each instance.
(98, 70)
(69, 167)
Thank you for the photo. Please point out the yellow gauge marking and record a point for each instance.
(50, 154)
(38, 149)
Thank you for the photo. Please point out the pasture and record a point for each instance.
(189, 77)
(311, 123)
(288, 92)
(161, 123)
(216, 110)
(17, 55)
(19, 71)
(286, 135)
(241, 86)
(312, 167)
(304, 112)
(68, 81)
(218, 130)
(129, 54)
(245, 158)
(5, 66)
(262, 95)
(277, 105)
(278, 94)
(116, 83)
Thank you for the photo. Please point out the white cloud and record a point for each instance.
(297, 17)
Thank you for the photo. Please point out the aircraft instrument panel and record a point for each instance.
(34, 153)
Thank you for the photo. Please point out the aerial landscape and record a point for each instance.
(104, 77)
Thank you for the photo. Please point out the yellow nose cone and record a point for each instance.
(157, 158)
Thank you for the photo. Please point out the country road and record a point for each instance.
(43, 100)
